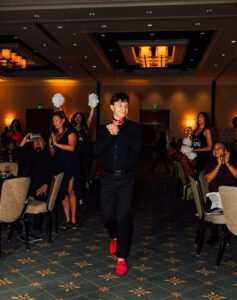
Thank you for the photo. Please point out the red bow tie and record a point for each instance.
(118, 122)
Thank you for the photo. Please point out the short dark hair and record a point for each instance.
(119, 97)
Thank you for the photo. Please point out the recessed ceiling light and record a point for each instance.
(191, 59)
(152, 34)
(60, 27)
(94, 67)
(74, 44)
(91, 14)
(202, 32)
(103, 35)
(59, 57)
(223, 54)
(85, 57)
(233, 41)
(24, 28)
(209, 10)
(215, 65)
(197, 24)
(149, 12)
(117, 60)
(35, 51)
(149, 25)
(104, 26)
(37, 16)
(15, 37)
(74, 34)
(44, 45)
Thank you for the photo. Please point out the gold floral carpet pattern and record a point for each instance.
(162, 263)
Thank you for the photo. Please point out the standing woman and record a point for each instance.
(202, 141)
(15, 131)
(81, 126)
(62, 145)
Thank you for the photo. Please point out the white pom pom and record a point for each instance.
(58, 100)
(93, 100)
(185, 149)
(187, 141)
(191, 155)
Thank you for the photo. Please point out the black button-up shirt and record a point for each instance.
(119, 152)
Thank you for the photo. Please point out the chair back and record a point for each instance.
(13, 195)
(229, 202)
(204, 185)
(11, 167)
(53, 193)
(197, 195)
(181, 174)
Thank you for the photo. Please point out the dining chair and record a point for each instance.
(11, 167)
(228, 196)
(12, 204)
(185, 184)
(204, 185)
(204, 219)
(39, 207)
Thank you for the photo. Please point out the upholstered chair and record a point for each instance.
(39, 207)
(12, 203)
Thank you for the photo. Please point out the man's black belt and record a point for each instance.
(117, 172)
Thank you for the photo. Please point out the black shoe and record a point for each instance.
(66, 225)
(75, 226)
(212, 240)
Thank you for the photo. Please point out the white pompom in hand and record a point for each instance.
(58, 100)
(93, 100)
(187, 150)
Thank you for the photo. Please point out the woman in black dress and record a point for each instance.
(202, 141)
(81, 126)
(63, 144)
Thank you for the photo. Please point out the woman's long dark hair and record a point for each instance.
(15, 126)
(62, 116)
(83, 120)
(206, 119)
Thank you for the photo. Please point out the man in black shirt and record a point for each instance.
(119, 146)
(35, 162)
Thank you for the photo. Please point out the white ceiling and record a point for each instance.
(61, 31)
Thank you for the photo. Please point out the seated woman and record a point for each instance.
(202, 141)
(219, 170)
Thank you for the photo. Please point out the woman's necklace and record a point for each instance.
(59, 136)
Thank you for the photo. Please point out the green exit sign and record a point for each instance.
(154, 107)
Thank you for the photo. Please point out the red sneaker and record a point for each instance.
(121, 267)
(113, 246)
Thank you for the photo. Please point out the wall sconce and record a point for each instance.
(8, 121)
(189, 127)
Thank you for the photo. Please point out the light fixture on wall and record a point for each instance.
(12, 60)
(153, 56)
(189, 127)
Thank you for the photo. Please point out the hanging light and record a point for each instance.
(12, 60)
(153, 56)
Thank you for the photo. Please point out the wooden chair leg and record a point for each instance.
(56, 219)
(225, 236)
(10, 232)
(25, 227)
(49, 227)
(201, 235)
(0, 239)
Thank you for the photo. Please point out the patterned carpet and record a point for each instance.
(162, 264)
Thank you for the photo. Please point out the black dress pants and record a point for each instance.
(116, 199)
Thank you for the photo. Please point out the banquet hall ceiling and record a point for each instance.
(81, 39)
